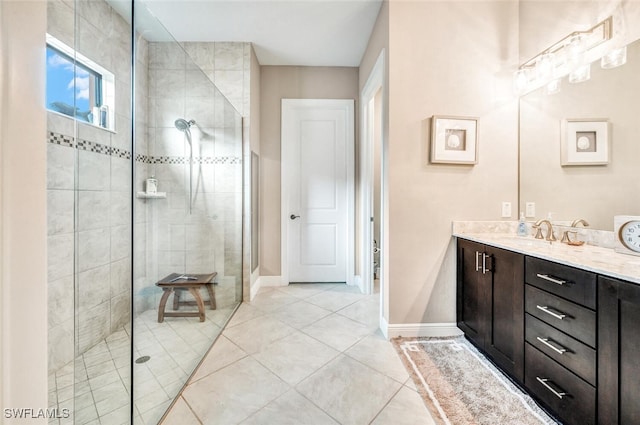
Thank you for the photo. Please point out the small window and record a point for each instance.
(78, 87)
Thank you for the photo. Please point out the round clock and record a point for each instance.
(627, 230)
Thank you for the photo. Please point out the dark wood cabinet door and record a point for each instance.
(472, 287)
(618, 352)
(504, 341)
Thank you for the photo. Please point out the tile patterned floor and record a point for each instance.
(303, 354)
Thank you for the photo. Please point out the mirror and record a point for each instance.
(594, 192)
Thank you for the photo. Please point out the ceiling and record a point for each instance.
(283, 32)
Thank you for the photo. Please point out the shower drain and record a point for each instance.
(143, 359)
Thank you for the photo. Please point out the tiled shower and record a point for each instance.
(109, 243)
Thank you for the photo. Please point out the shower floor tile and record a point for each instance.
(95, 387)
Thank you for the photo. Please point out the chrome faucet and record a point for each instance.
(550, 237)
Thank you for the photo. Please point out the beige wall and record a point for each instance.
(445, 58)
(288, 82)
(378, 45)
(23, 283)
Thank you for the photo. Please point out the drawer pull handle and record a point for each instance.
(557, 315)
(560, 394)
(546, 342)
(551, 279)
(478, 260)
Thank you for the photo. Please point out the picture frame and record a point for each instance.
(454, 140)
(585, 141)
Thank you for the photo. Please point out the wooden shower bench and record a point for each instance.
(174, 283)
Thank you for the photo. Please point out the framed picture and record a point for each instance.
(454, 140)
(584, 142)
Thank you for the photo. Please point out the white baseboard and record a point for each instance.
(414, 330)
(265, 281)
(357, 281)
(253, 290)
(272, 281)
(384, 327)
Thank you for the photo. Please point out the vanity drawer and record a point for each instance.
(570, 318)
(569, 352)
(571, 398)
(573, 284)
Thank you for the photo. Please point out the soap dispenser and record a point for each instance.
(522, 225)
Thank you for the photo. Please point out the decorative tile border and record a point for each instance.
(87, 145)
(184, 160)
(145, 159)
(62, 140)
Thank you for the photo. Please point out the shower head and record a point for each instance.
(183, 125)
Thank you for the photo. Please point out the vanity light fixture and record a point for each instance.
(570, 55)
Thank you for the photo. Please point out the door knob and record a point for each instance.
(293, 216)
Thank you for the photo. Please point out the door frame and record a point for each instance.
(375, 82)
(287, 107)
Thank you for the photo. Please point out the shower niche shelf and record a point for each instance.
(157, 195)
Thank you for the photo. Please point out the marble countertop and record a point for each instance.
(597, 259)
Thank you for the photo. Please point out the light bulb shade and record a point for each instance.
(614, 58)
(545, 66)
(580, 74)
(575, 51)
(521, 81)
(552, 87)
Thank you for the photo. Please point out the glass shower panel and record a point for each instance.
(89, 194)
(103, 218)
(188, 214)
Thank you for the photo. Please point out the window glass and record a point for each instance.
(72, 89)
(78, 87)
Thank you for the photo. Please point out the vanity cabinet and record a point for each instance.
(618, 352)
(571, 337)
(490, 303)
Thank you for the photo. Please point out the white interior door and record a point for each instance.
(317, 186)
